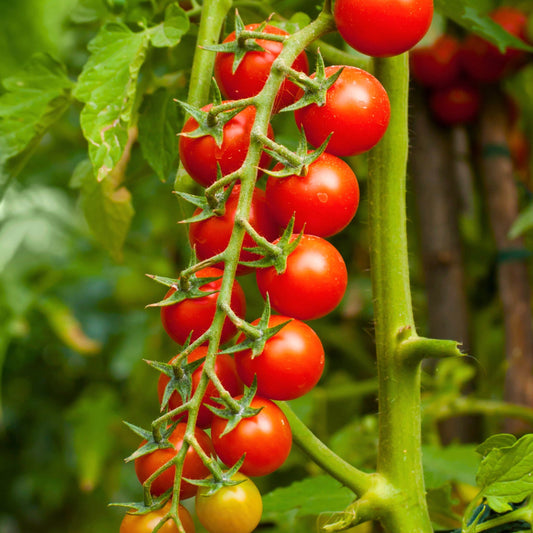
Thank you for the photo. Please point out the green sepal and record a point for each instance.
(245, 411)
(180, 294)
(219, 479)
(141, 508)
(316, 91)
(151, 444)
(257, 344)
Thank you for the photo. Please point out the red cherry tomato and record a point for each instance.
(324, 201)
(224, 369)
(482, 61)
(357, 111)
(313, 283)
(193, 467)
(438, 65)
(290, 364)
(200, 155)
(211, 236)
(196, 314)
(383, 28)
(253, 70)
(265, 438)
(146, 523)
(457, 104)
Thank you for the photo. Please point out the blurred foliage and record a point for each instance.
(74, 328)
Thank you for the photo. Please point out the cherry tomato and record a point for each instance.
(224, 369)
(200, 155)
(232, 509)
(457, 104)
(383, 28)
(193, 468)
(265, 438)
(196, 314)
(313, 283)
(483, 61)
(253, 70)
(438, 65)
(324, 201)
(145, 523)
(211, 236)
(290, 364)
(357, 111)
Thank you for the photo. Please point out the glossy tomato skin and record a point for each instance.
(193, 468)
(211, 236)
(200, 155)
(483, 61)
(195, 315)
(357, 111)
(146, 523)
(226, 372)
(324, 201)
(457, 104)
(265, 438)
(233, 509)
(254, 69)
(438, 65)
(313, 283)
(290, 364)
(383, 28)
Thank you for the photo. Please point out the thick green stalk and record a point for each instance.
(399, 451)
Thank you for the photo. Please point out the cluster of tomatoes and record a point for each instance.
(454, 70)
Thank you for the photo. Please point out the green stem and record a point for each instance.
(399, 449)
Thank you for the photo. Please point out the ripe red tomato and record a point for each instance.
(232, 509)
(211, 236)
(265, 438)
(193, 467)
(196, 314)
(457, 104)
(254, 68)
(357, 111)
(482, 61)
(224, 369)
(383, 28)
(200, 155)
(324, 201)
(145, 523)
(438, 65)
(313, 283)
(290, 364)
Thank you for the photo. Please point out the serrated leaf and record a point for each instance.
(107, 86)
(172, 29)
(158, 126)
(503, 440)
(34, 99)
(308, 497)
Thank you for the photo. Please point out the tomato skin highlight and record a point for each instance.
(195, 315)
(200, 155)
(457, 104)
(226, 372)
(265, 438)
(356, 103)
(290, 364)
(146, 523)
(211, 236)
(324, 201)
(232, 509)
(193, 467)
(254, 69)
(313, 283)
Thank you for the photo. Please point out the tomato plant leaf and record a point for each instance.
(172, 29)
(86, 11)
(502, 440)
(450, 463)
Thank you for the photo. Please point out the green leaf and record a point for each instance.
(523, 223)
(172, 29)
(108, 86)
(451, 463)
(505, 474)
(467, 14)
(87, 11)
(158, 126)
(34, 100)
(311, 496)
(503, 440)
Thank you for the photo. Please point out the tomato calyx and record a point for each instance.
(142, 508)
(212, 203)
(219, 478)
(157, 439)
